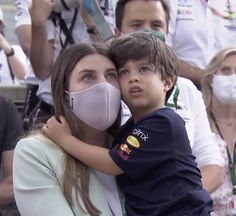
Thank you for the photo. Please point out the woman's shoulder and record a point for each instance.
(38, 145)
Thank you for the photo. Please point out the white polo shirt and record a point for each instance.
(195, 33)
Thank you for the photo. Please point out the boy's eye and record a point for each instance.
(144, 69)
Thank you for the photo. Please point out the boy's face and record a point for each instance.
(141, 14)
(142, 88)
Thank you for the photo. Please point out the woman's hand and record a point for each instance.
(57, 131)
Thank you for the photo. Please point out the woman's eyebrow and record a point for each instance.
(86, 71)
(111, 69)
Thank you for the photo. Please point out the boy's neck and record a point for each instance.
(140, 113)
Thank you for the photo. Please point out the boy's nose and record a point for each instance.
(133, 79)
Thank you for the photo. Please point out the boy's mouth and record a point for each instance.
(135, 89)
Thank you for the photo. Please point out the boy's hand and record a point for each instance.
(57, 131)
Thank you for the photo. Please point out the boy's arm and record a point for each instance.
(95, 157)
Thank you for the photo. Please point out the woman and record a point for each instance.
(219, 92)
(48, 181)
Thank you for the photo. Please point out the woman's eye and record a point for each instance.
(226, 71)
(87, 77)
(112, 76)
(123, 73)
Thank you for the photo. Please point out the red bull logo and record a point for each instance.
(125, 148)
(124, 151)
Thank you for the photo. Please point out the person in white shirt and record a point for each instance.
(12, 62)
(197, 31)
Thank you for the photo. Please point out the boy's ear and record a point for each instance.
(168, 83)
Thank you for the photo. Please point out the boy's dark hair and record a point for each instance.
(120, 7)
(141, 45)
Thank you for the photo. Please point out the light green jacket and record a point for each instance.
(37, 170)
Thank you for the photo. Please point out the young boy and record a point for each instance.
(151, 155)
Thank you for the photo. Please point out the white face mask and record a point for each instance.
(224, 88)
(97, 106)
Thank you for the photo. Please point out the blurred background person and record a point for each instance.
(197, 31)
(23, 33)
(12, 59)
(10, 132)
(219, 92)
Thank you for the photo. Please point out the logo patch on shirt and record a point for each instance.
(140, 134)
(133, 141)
(182, 1)
(124, 151)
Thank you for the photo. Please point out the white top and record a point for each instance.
(193, 111)
(54, 33)
(37, 178)
(22, 16)
(5, 74)
(195, 33)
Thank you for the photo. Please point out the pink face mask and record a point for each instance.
(97, 106)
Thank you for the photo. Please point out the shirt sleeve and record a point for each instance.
(22, 16)
(142, 149)
(13, 127)
(204, 145)
(37, 188)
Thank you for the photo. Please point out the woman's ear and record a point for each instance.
(209, 78)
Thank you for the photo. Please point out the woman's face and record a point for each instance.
(228, 66)
(91, 70)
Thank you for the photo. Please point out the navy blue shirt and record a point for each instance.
(160, 173)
